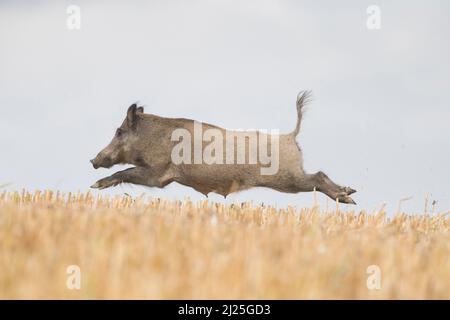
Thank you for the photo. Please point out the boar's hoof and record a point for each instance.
(106, 183)
(344, 198)
(348, 190)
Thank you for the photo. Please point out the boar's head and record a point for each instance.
(120, 149)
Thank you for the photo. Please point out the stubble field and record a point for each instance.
(126, 247)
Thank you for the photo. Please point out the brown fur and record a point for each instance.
(144, 140)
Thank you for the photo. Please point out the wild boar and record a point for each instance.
(163, 151)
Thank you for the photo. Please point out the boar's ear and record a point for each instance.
(140, 110)
(131, 116)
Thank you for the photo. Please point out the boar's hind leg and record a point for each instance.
(322, 183)
(137, 175)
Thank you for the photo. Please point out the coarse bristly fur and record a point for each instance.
(144, 140)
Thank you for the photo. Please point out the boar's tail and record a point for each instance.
(302, 99)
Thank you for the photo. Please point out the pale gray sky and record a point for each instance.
(378, 122)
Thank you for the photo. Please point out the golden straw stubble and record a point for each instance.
(141, 247)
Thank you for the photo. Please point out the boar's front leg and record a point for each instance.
(136, 175)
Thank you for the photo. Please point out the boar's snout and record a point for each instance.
(94, 164)
(101, 161)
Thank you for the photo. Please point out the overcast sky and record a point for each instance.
(378, 122)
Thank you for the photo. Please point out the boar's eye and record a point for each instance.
(119, 133)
